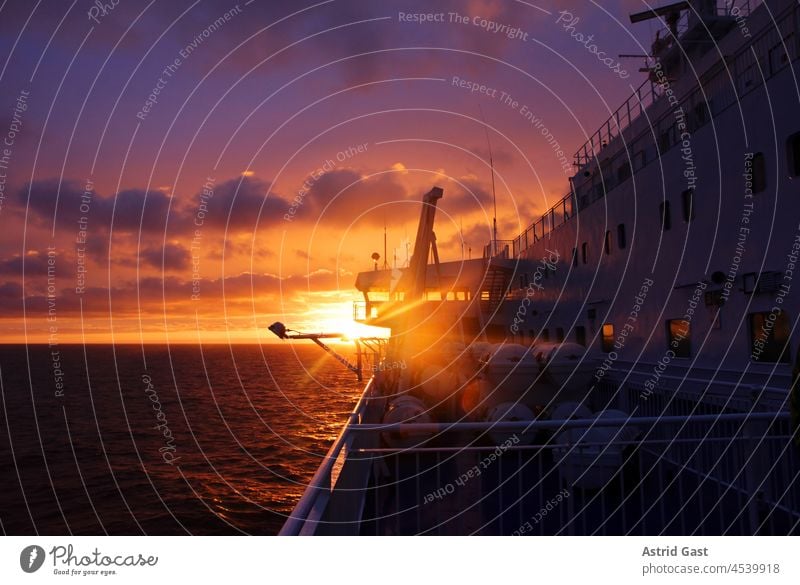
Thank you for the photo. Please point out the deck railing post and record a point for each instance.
(755, 471)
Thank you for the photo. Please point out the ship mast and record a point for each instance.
(494, 194)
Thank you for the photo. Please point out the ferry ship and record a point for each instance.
(625, 364)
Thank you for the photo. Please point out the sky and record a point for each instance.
(190, 171)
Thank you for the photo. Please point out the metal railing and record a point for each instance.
(556, 216)
(648, 92)
(680, 475)
(621, 119)
(497, 249)
(311, 506)
(644, 96)
(710, 473)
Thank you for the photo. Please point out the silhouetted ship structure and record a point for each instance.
(623, 365)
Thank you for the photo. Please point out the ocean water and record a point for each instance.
(163, 440)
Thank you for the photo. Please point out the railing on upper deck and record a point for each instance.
(497, 249)
(644, 96)
(556, 216)
(648, 92)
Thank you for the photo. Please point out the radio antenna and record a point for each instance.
(494, 194)
(385, 257)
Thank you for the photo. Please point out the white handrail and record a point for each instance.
(320, 484)
(534, 425)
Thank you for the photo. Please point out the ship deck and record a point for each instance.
(693, 469)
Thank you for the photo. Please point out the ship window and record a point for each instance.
(778, 58)
(769, 337)
(607, 243)
(607, 342)
(621, 241)
(793, 150)
(580, 335)
(574, 256)
(546, 335)
(663, 142)
(687, 199)
(560, 334)
(585, 252)
(700, 115)
(623, 172)
(606, 171)
(641, 158)
(679, 338)
(759, 173)
(666, 218)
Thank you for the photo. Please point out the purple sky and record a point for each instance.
(344, 97)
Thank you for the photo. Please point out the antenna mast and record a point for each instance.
(494, 194)
(385, 257)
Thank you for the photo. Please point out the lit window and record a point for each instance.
(679, 337)
(769, 337)
(608, 337)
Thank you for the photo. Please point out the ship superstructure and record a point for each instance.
(624, 364)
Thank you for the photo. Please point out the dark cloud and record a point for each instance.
(156, 293)
(465, 196)
(170, 256)
(34, 263)
(66, 202)
(342, 197)
(238, 205)
(11, 290)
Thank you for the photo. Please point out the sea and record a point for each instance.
(163, 440)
